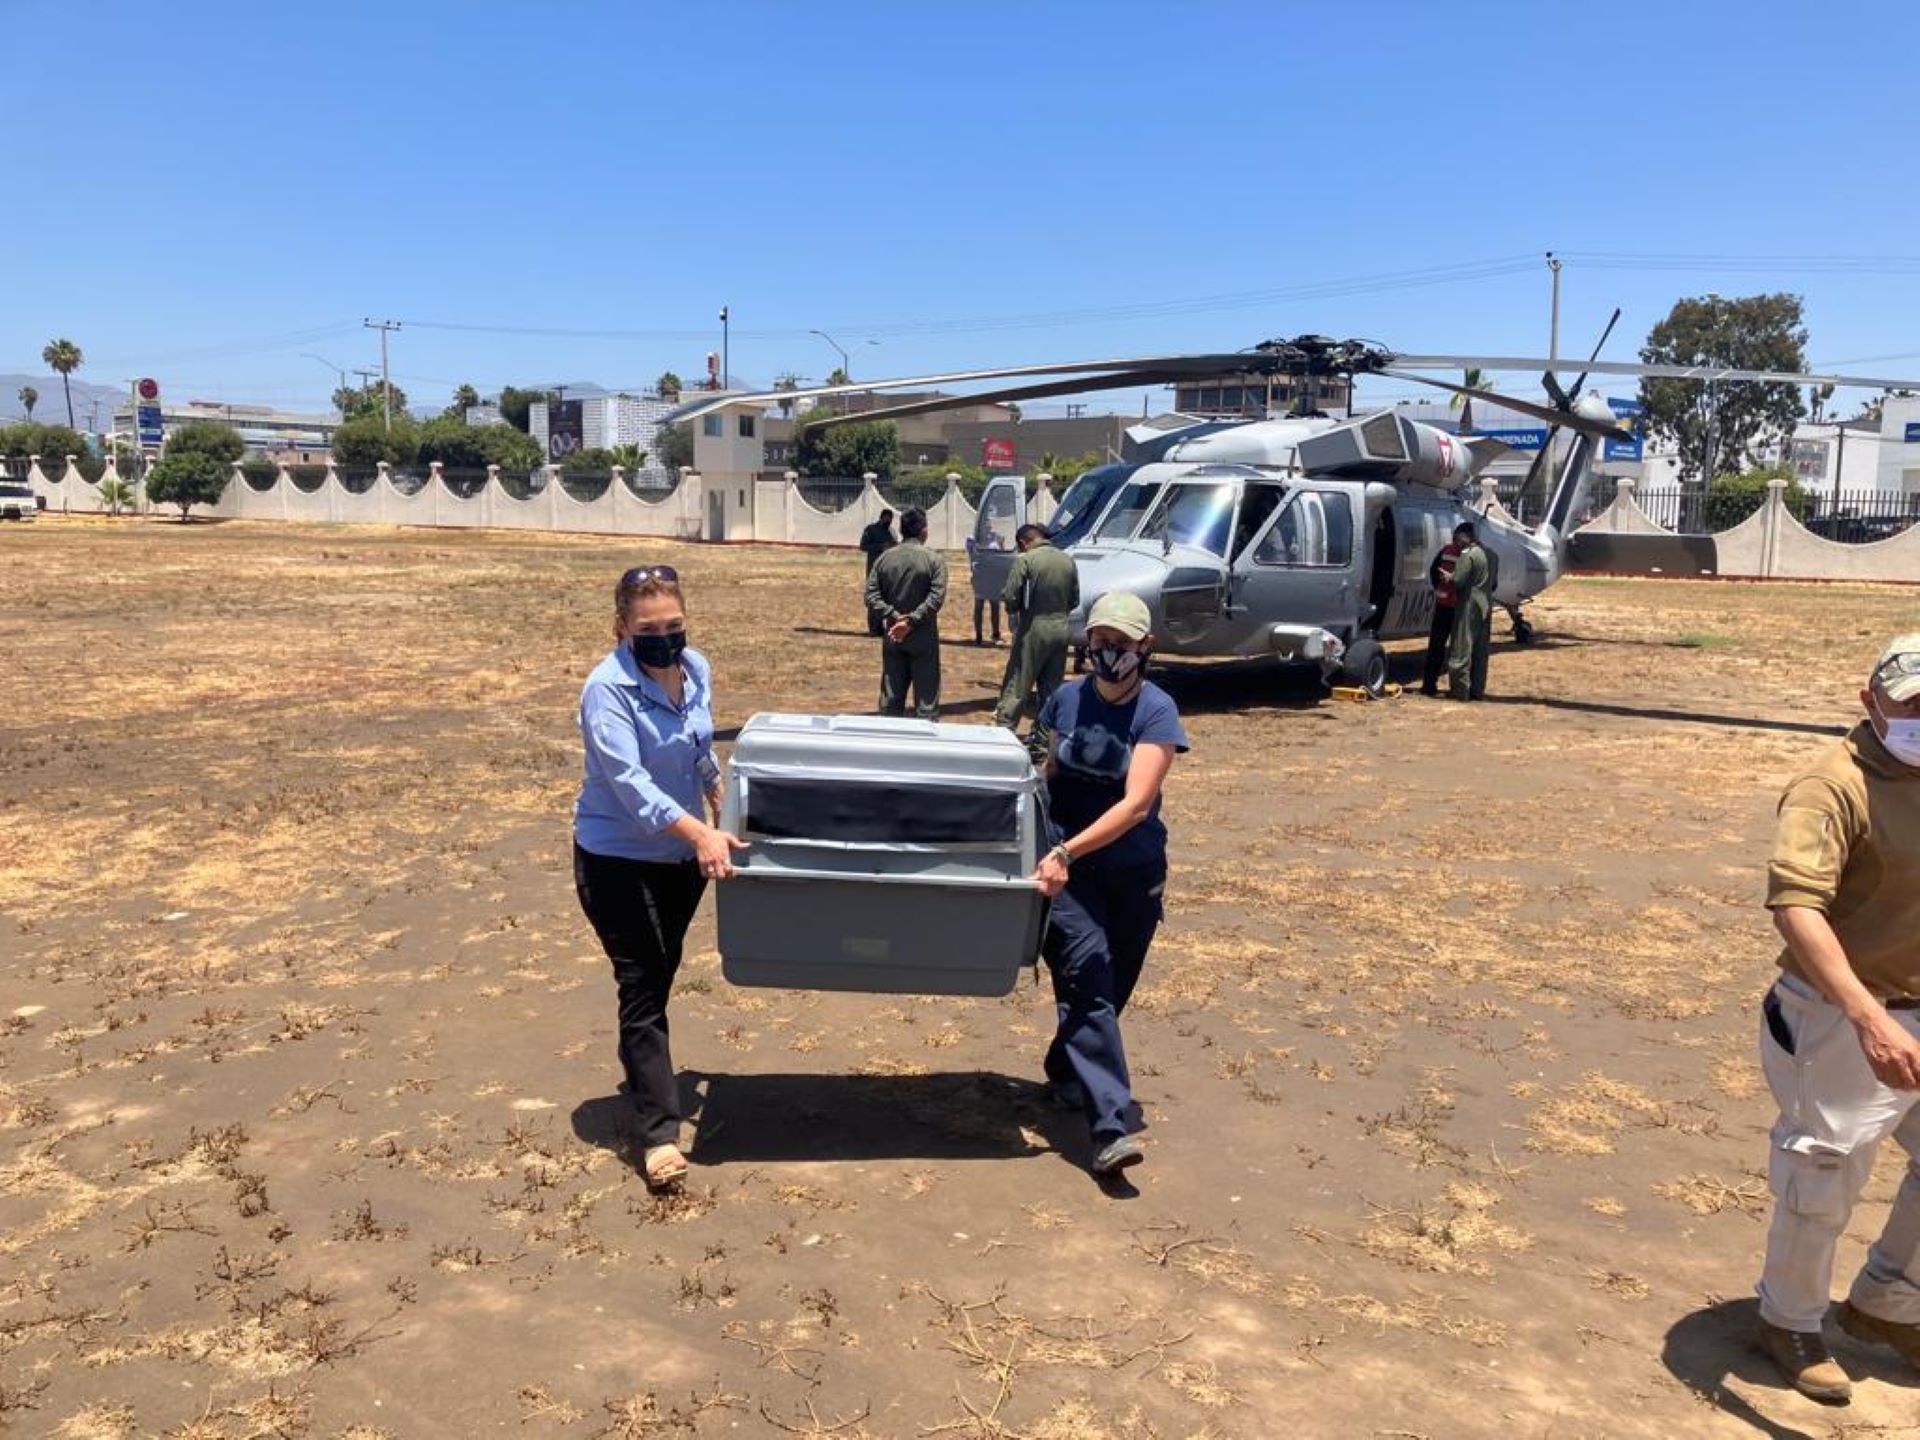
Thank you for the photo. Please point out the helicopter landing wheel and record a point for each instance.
(1365, 667)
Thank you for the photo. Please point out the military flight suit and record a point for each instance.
(1472, 624)
(911, 581)
(1040, 594)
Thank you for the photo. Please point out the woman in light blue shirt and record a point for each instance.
(645, 832)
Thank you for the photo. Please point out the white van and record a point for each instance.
(17, 501)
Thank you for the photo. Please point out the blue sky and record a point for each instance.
(204, 191)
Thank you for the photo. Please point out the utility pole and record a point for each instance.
(1553, 335)
(726, 359)
(386, 384)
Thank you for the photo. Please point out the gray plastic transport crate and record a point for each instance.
(887, 855)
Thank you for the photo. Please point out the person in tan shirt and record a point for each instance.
(1840, 1032)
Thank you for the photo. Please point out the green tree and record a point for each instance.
(186, 479)
(116, 494)
(65, 357)
(668, 385)
(32, 438)
(1473, 379)
(846, 450)
(630, 457)
(1065, 469)
(676, 447)
(1874, 408)
(368, 399)
(1716, 428)
(1732, 498)
(365, 440)
(212, 438)
(460, 446)
(29, 397)
(839, 376)
(786, 381)
(465, 397)
(515, 403)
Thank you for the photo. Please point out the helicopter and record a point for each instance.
(1306, 537)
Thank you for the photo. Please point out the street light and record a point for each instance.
(846, 365)
(342, 374)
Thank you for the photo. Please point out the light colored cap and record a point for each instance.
(1117, 610)
(1898, 671)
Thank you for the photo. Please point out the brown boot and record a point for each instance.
(1804, 1363)
(1901, 1336)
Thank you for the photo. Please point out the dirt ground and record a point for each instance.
(307, 1111)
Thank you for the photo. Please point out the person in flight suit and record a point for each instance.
(1041, 592)
(905, 591)
(1440, 634)
(1472, 616)
(1112, 739)
(1840, 1033)
(875, 541)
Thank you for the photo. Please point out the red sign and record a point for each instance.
(149, 390)
(997, 454)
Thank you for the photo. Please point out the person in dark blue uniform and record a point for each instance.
(1114, 736)
(646, 836)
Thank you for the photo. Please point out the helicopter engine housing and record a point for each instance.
(1396, 449)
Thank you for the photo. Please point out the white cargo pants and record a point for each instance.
(1833, 1115)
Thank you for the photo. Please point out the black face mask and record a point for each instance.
(657, 651)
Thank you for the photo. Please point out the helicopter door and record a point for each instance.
(1003, 510)
(1300, 572)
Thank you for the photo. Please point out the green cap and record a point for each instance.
(1117, 610)
(1898, 672)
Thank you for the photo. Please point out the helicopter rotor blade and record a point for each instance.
(1076, 386)
(1599, 345)
(1570, 419)
(1657, 372)
(1196, 366)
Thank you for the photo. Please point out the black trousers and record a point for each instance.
(641, 912)
(1438, 639)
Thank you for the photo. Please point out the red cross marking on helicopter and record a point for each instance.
(1446, 455)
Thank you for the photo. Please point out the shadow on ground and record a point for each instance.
(1656, 712)
(970, 1115)
(1706, 1349)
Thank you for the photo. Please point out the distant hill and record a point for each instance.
(51, 408)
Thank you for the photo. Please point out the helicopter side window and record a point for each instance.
(1198, 515)
(998, 519)
(1126, 511)
(1316, 529)
(1080, 507)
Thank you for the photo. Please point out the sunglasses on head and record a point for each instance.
(1905, 663)
(641, 574)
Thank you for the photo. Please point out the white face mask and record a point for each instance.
(1902, 737)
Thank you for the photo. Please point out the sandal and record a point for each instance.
(663, 1166)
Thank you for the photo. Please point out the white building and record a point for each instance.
(277, 434)
(607, 420)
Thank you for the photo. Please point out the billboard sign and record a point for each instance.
(1523, 438)
(998, 455)
(1810, 459)
(566, 429)
(149, 429)
(1630, 413)
(1913, 432)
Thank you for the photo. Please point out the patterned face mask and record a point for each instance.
(1115, 664)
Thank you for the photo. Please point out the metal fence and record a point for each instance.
(464, 482)
(1853, 517)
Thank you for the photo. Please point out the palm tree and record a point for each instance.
(668, 385)
(1473, 380)
(64, 356)
(29, 397)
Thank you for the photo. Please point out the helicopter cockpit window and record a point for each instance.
(1198, 515)
(1316, 529)
(1080, 507)
(1127, 510)
(1256, 508)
